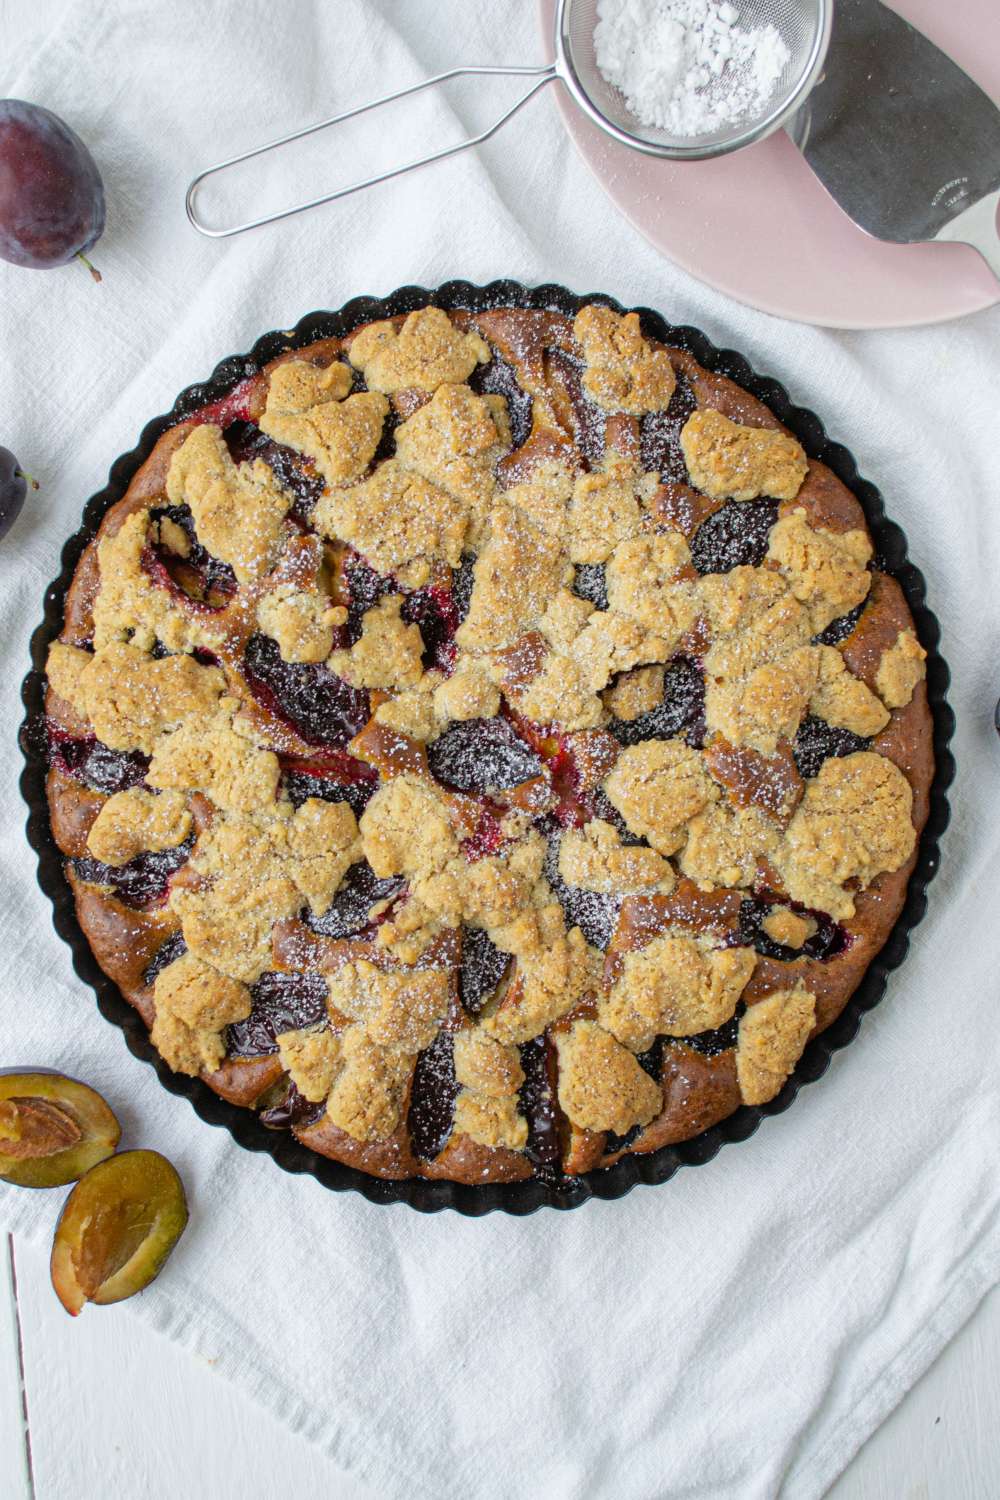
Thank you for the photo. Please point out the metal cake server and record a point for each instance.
(901, 136)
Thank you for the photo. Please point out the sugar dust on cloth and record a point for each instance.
(687, 66)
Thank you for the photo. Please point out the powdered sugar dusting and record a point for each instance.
(687, 66)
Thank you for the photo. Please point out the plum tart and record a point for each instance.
(486, 744)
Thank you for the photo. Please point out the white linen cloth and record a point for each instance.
(739, 1331)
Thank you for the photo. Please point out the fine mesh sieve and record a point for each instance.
(804, 26)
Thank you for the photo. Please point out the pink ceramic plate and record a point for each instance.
(759, 226)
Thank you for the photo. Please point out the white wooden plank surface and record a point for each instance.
(117, 1410)
(14, 1476)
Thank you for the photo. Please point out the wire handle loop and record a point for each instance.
(541, 74)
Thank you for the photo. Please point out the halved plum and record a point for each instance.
(52, 1129)
(116, 1229)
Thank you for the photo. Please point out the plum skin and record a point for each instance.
(13, 488)
(75, 1106)
(51, 194)
(116, 1230)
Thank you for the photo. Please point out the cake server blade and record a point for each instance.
(901, 136)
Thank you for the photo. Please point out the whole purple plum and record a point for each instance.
(51, 193)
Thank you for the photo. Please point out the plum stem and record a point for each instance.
(92, 269)
(20, 474)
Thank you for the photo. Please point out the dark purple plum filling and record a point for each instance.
(839, 629)
(301, 785)
(199, 575)
(816, 741)
(499, 379)
(322, 708)
(590, 582)
(144, 881)
(592, 911)
(589, 420)
(293, 1110)
(537, 1102)
(682, 709)
(434, 610)
(365, 588)
(711, 1043)
(350, 911)
(95, 764)
(481, 755)
(432, 1097)
(281, 1002)
(827, 941)
(461, 585)
(660, 435)
(734, 537)
(175, 947)
(483, 967)
(246, 443)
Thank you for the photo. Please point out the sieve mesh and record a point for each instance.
(804, 26)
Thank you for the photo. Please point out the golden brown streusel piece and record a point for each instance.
(843, 700)
(454, 441)
(515, 576)
(554, 970)
(427, 351)
(413, 712)
(409, 933)
(400, 1008)
(491, 1122)
(644, 583)
(302, 621)
(560, 692)
(601, 1086)
(658, 786)
(729, 461)
(136, 820)
(212, 757)
(311, 1058)
(764, 707)
(854, 822)
(129, 606)
(320, 842)
(900, 669)
(676, 986)
(405, 829)
(634, 693)
(131, 698)
(594, 858)
(485, 1065)
(604, 511)
(545, 496)
(788, 927)
(725, 844)
(366, 1100)
(610, 643)
(399, 521)
(194, 1003)
(309, 409)
(238, 511)
(565, 617)
(825, 570)
(388, 653)
(467, 694)
(772, 1036)
(65, 668)
(737, 601)
(488, 890)
(624, 373)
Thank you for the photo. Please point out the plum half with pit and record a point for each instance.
(51, 194)
(52, 1129)
(116, 1230)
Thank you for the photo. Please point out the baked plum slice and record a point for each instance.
(52, 1129)
(482, 755)
(117, 1228)
(319, 706)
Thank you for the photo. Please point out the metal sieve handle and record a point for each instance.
(541, 74)
(977, 226)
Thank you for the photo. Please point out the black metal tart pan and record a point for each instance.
(516, 1197)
